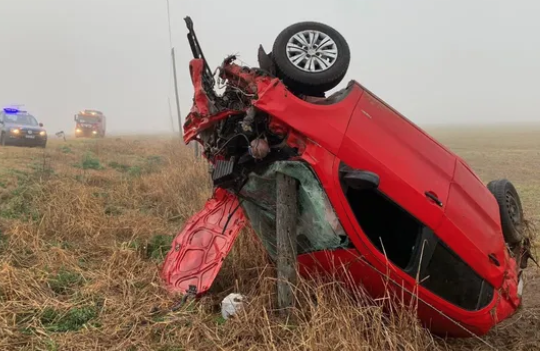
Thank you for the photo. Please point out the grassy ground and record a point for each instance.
(84, 226)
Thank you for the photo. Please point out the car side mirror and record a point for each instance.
(41, 124)
(361, 180)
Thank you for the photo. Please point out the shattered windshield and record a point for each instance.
(318, 227)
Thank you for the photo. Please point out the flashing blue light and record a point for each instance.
(11, 110)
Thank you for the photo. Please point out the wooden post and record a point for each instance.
(286, 217)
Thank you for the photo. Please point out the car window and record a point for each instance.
(449, 277)
(23, 119)
(391, 229)
(87, 119)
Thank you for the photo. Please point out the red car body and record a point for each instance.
(458, 214)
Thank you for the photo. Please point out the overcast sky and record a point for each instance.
(458, 61)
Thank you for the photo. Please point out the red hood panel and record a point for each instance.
(198, 251)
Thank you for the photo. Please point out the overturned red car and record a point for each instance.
(377, 195)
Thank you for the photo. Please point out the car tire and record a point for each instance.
(2, 139)
(510, 209)
(299, 44)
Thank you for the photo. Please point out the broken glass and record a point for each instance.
(318, 227)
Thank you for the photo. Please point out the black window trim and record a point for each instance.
(485, 288)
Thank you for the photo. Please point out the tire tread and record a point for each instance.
(499, 188)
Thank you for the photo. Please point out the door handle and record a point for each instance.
(430, 195)
(493, 259)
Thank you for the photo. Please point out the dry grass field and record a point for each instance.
(85, 224)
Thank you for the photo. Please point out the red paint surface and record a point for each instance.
(198, 251)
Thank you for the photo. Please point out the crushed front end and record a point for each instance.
(235, 135)
(238, 140)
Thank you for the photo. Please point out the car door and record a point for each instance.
(415, 170)
(472, 227)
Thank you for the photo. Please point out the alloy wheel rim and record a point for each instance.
(312, 51)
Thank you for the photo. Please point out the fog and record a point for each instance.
(438, 62)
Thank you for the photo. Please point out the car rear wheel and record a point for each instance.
(510, 208)
(311, 58)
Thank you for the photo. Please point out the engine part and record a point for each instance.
(259, 149)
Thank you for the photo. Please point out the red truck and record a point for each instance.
(90, 123)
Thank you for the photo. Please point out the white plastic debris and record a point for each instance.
(231, 304)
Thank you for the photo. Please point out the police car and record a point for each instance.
(18, 127)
